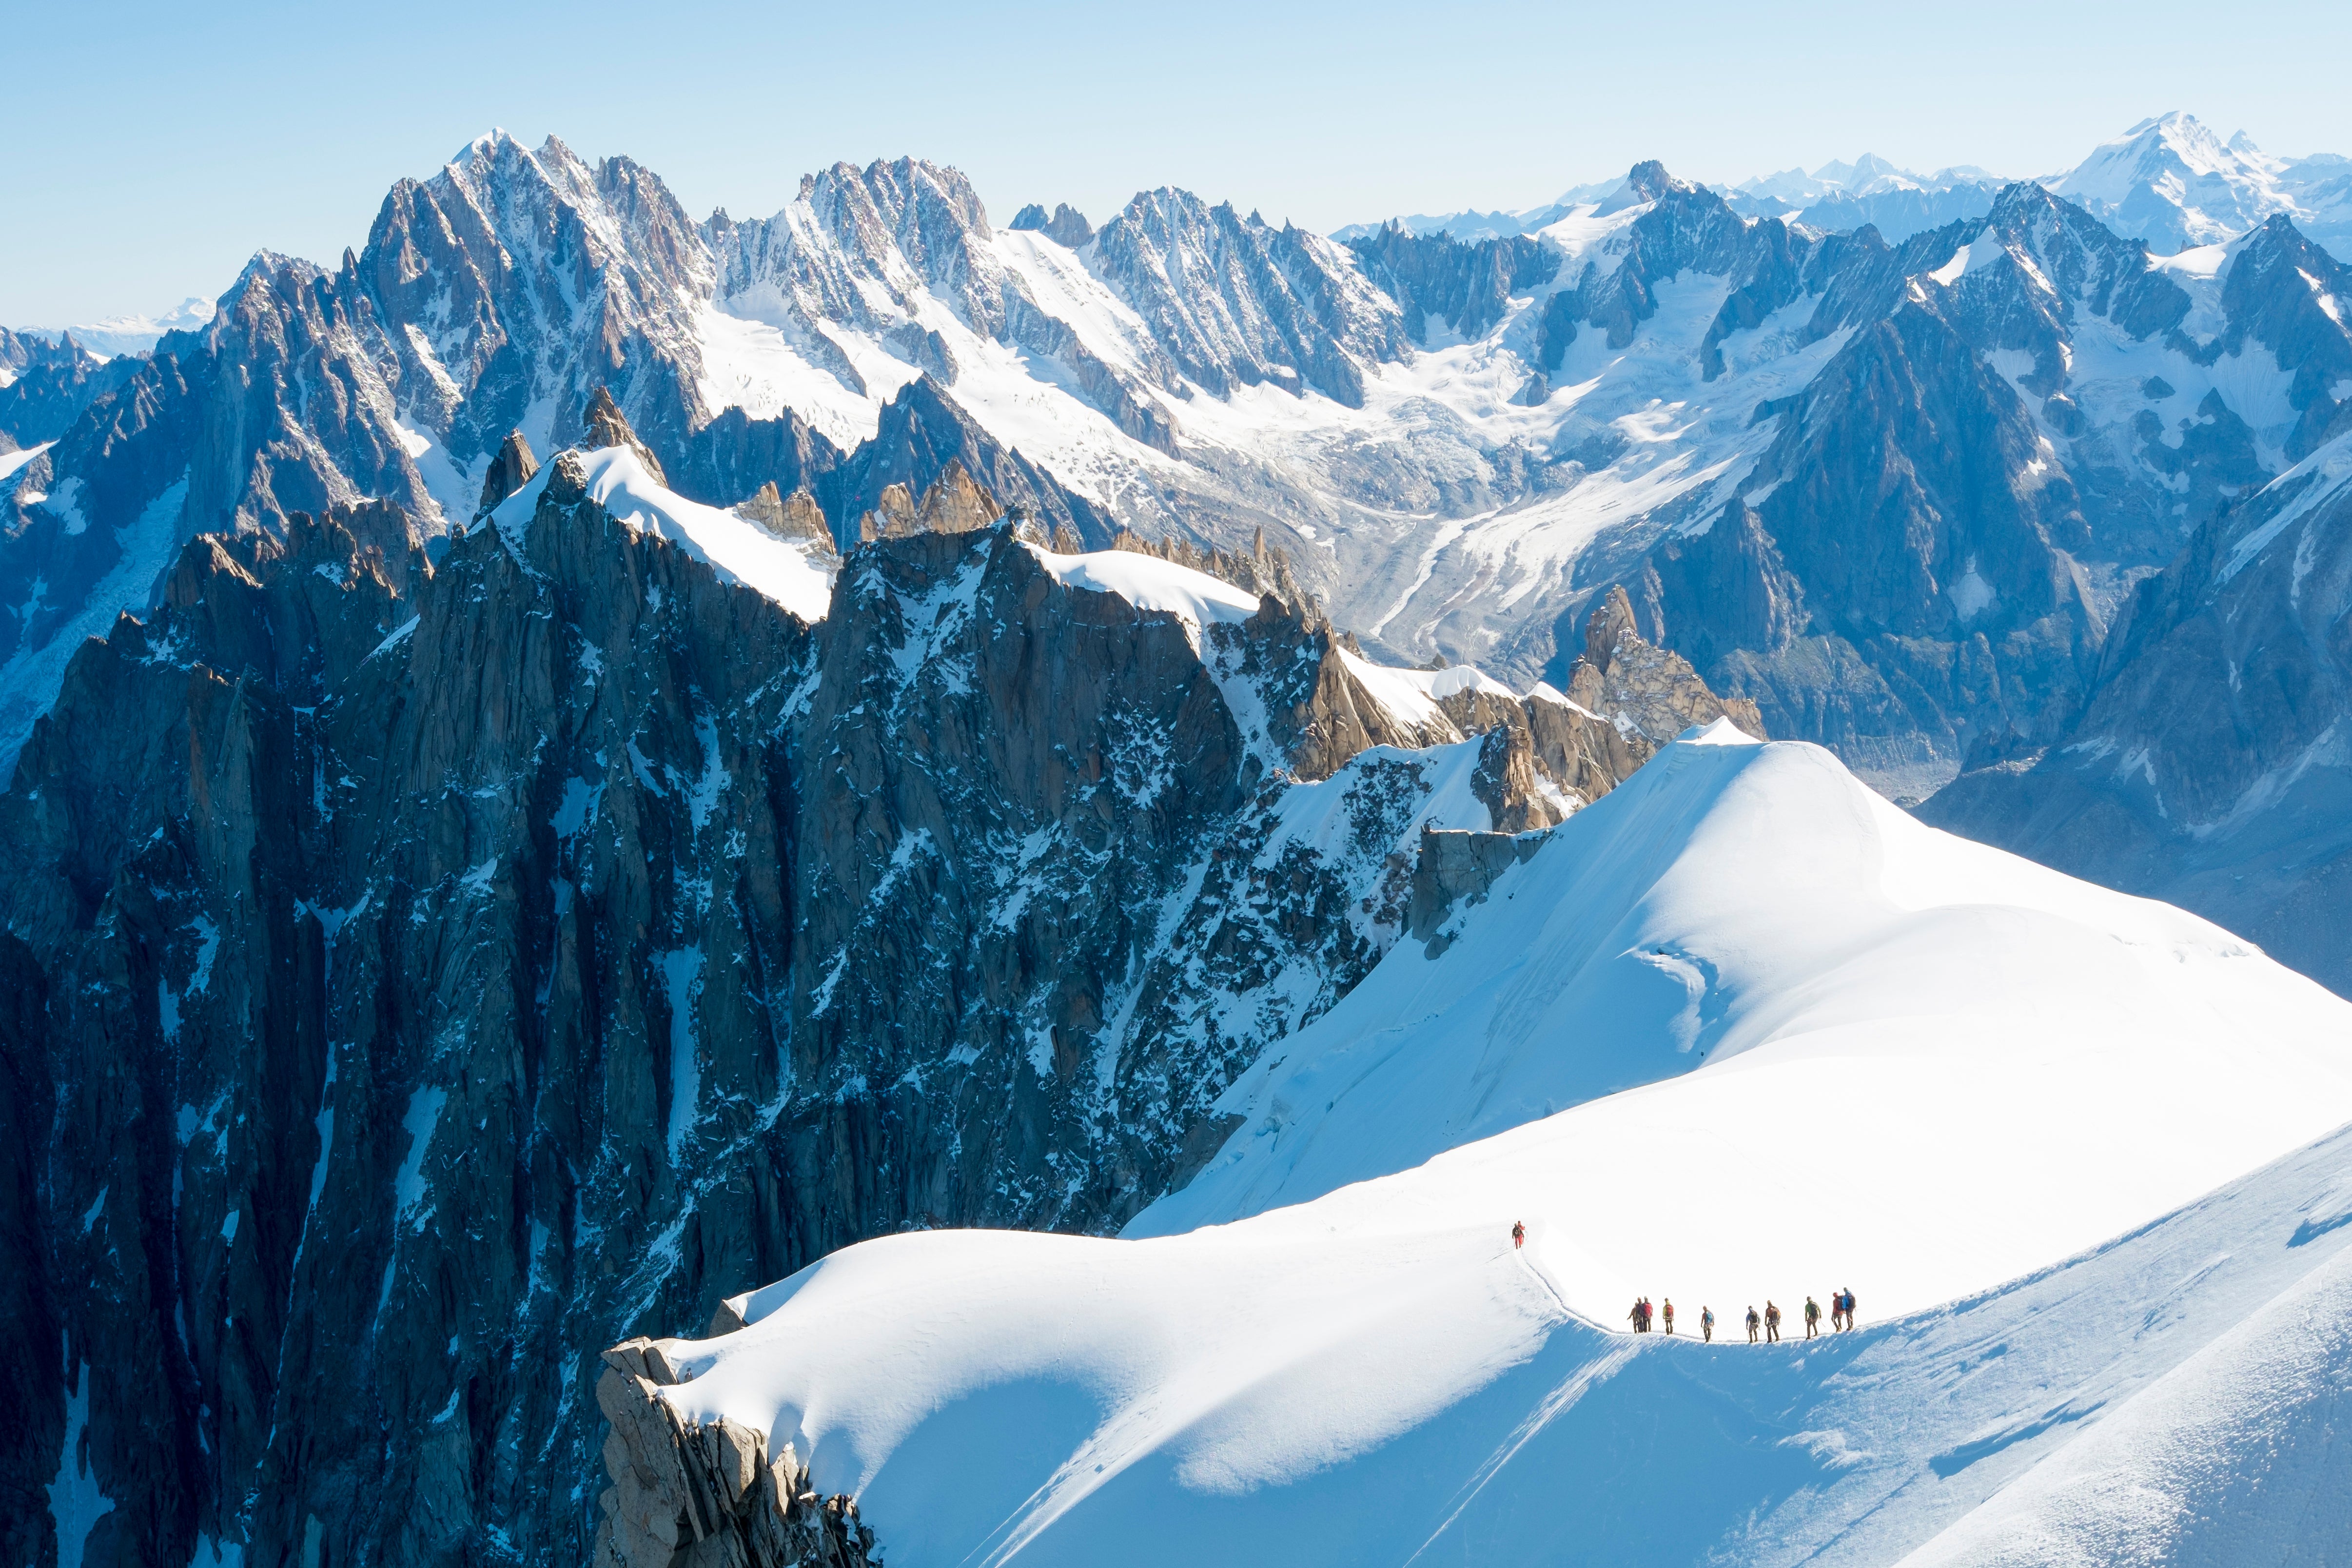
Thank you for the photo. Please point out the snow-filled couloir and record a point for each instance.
(1738, 1032)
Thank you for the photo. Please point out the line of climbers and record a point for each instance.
(1841, 1316)
(1841, 1309)
(1663, 1312)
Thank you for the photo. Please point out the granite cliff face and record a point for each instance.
(2208, 767)
(429, 966)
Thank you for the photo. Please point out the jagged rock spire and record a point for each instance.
(955, 503)
(510, 470)
(608, 428)
(1636, 682)
(796, 516)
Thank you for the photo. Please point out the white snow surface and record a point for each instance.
(1739, 1030)
(740, 551)
(10, 462)
(1150, 583)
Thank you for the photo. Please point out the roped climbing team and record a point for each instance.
(1643, 1314)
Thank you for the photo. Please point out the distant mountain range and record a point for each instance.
(131, 334)
(1898, 494)
(2169, 180)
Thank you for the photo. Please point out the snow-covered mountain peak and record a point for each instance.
(111, 336)
(2171, 180)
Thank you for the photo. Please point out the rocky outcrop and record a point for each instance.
(796, 516)
(510, 470)
(921, 431)
(953, 504)
(1067, 226)
(1260, 569)
(707, 1495)
(607, 427)
(1235, 302)
(1652, 693)
(45, 384)
(1453, 870)
(1467, 285)
(1517, 797)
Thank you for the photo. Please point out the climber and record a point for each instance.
(1634, 1317)
(1849, 1307)
(1519, 1234)
(1706, 1325)
(1752, 1321)
(1668, 1313)
(1771, 1322)
(1812, 1317)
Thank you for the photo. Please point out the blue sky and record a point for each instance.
(151, 148)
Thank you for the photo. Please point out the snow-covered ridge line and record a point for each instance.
(786, 571)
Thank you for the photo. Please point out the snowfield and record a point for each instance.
(1740, 1030)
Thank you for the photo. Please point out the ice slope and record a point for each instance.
(782, 570)
(1847, 1050)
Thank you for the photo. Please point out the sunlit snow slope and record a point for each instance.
(1788, 1040)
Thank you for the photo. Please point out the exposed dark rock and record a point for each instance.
(1453, 870)
(1506, 783)
(1260, 570)
(2206, 767)
(510, 471)
(796, 516)
(607, 427)
(953, 504)
(45, 384)
(1652, 693)
(1464, 284)
(1068, 226)
(921, 432)
(1251, 304)
(707, 1494)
